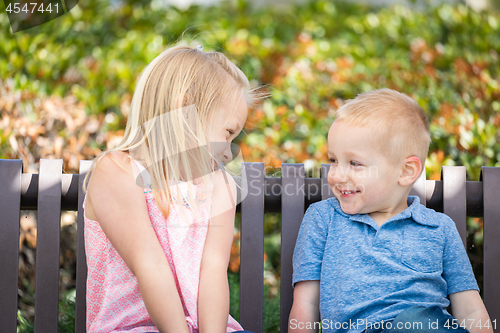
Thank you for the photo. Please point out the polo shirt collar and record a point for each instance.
(415, 211)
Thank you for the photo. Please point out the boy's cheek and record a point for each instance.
(334, 190)
(331, 182)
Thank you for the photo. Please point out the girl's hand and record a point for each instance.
(213, 297)
(120, 207)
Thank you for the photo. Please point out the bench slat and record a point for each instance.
(455, 197)
(81, 262)
(48, 241)
(419, 189)
(326, 191)
(491, 193)
(252, 250)
(10, 205)
(292, 203)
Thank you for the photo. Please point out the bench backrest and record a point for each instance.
(50, 192)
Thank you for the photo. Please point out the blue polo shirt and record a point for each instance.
(370, 273)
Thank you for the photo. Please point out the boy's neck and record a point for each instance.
(381, 216)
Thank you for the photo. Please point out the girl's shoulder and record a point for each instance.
(112, 170)
(112, 187)
(114, 161)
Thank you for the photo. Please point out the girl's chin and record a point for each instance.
(218, 165)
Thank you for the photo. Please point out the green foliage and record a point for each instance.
(23, 325)
(271, 313)
(234, 294)
(66, 323)
(311, 58)
(67, 312)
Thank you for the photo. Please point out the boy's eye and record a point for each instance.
(354, 163)
(332, 160)
(230, 132)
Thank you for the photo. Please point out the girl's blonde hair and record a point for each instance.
(401, 124)
(178, 96)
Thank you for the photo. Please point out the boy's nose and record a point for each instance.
(337, 175)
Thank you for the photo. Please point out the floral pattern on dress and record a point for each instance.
(114, 303)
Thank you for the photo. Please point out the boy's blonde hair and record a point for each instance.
(178, 96)
(402, 125)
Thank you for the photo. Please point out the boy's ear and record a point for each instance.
(412, 167)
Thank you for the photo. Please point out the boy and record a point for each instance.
(372, 259)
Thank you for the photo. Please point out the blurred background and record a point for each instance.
(66, 88)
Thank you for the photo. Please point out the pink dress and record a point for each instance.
(114, 303)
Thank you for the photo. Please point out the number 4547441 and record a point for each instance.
(31, 7)
(469, 323)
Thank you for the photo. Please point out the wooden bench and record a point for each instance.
(51, 192)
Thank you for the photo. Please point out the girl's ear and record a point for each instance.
(412, 167)
(182, 100)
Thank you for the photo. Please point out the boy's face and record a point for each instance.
(361, 177)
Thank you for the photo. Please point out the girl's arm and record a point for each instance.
(213, 297)
(304, 316)
(468, 308)
(120, 207)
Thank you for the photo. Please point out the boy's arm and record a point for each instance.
(304, 317)
(468, 307)
(307, 262)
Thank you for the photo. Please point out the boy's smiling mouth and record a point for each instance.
(347, 193)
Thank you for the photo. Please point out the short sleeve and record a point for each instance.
(457, 269)
(309, 248)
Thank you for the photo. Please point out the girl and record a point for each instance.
(159, 208)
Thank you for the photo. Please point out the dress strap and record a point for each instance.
(141, 174)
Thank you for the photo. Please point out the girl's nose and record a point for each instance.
(230, 151)
(227, 154)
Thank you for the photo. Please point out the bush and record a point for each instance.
(66, 86)
(311, 58)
